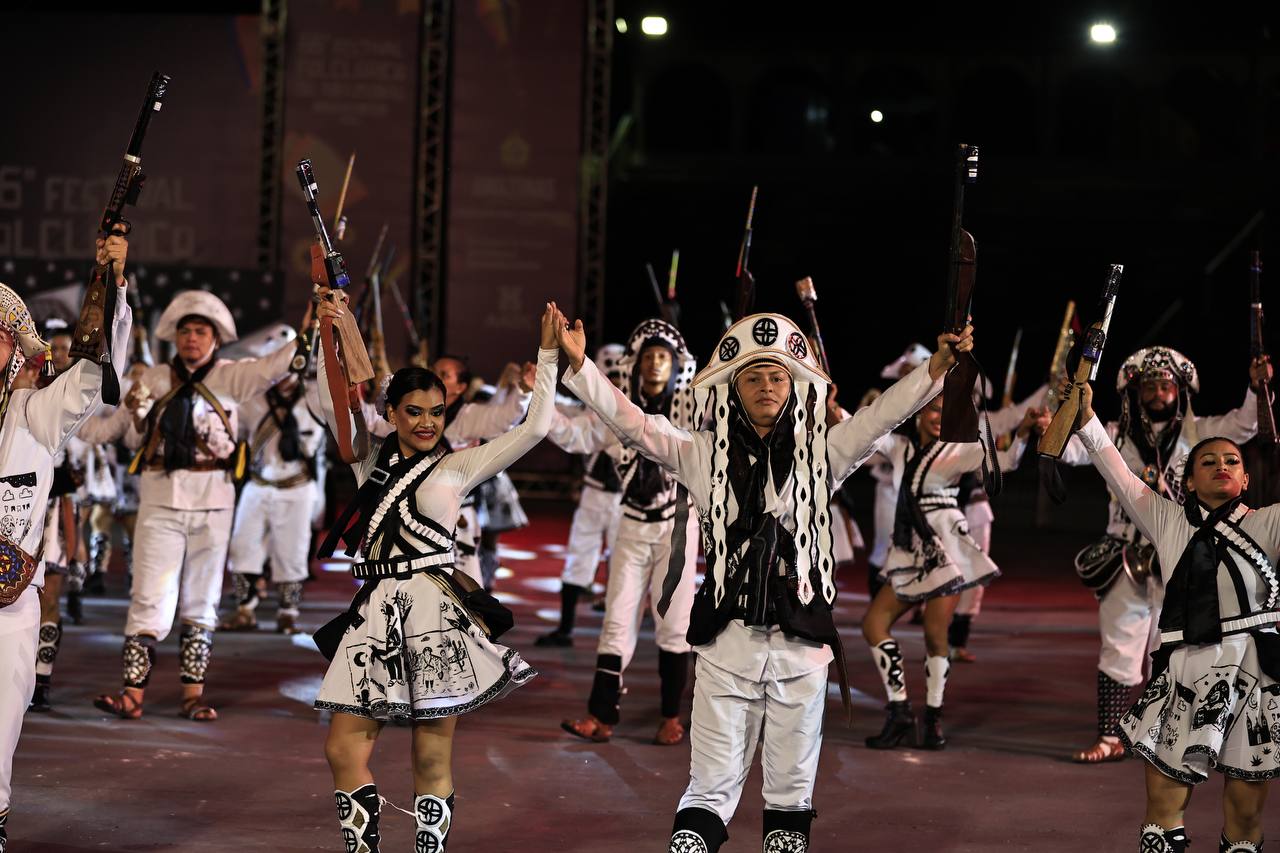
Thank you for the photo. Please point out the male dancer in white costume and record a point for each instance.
(34, 427)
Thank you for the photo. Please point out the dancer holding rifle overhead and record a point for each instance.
(1156, 430)
(761, 622)
(398, 652)
(1213, 700)
(415, 613)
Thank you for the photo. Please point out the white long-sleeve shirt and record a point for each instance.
(752, 653)
(266, 461)
(1239, 425)
(1164, 523)
(440, 496)
(36, 428)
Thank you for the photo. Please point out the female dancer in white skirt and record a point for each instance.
(933, 559)
(415, 647)
(1213, 700)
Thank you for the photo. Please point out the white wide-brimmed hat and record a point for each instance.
(762, 337)
(914, 356)
(201, 303)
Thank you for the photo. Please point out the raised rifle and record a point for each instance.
(1010, 379)
(1258, 349)
(341, 346)
(92, 336)
(1055, 438)
(959, 415)
(669, 311)
(1062, 349)
(377, 336)
(361, 303)
(808, 297)
(1011, 373)
(745, 288)
(339, 217)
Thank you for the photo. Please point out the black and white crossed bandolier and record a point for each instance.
(1220, 556)
(280, 420)
(602, 472)
(388, 529)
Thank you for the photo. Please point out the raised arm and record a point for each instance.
(1239, 424)
(582, 432)
(54, 413)
(851, 442)
(104, 427)
(477, 464)
(332, 412)
(484, 421)
(1008, 418)
(1149, 511)
(245, 379)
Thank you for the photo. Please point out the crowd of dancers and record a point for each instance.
(212, 466)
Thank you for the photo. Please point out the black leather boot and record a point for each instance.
(899, 726)
(1154, 838)
(932, 736)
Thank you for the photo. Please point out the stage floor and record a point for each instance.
(257, 779)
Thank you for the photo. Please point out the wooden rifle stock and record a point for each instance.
(1065, 419)
(1266, 414)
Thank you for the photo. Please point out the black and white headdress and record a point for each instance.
(774, 339)
(662, 333)
(17, 320)
(609, 359)
(1158, 363)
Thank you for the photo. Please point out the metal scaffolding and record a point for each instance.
(272, 28)
(595, 167)
(433, 155)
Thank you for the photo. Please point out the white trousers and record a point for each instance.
(19, 630)
(1128, 620)
(729, 713)
(595, 526)
(970, 603)
(846, 538)
(273, 523)
(637, 568)
(178, 558)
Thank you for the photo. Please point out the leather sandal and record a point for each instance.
(241, 620)
(670, 733)
(123, 705)
(588, 728)
(193, 708)
(1105, 750)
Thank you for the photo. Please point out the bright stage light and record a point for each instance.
(654, 26)
(1102, 33)
(621, 24)
(877, 116)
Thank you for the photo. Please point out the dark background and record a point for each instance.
(1154, 152)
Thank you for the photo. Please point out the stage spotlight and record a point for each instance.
(877, 116)
(621, 24)
(654, 25)
(1102, 33)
